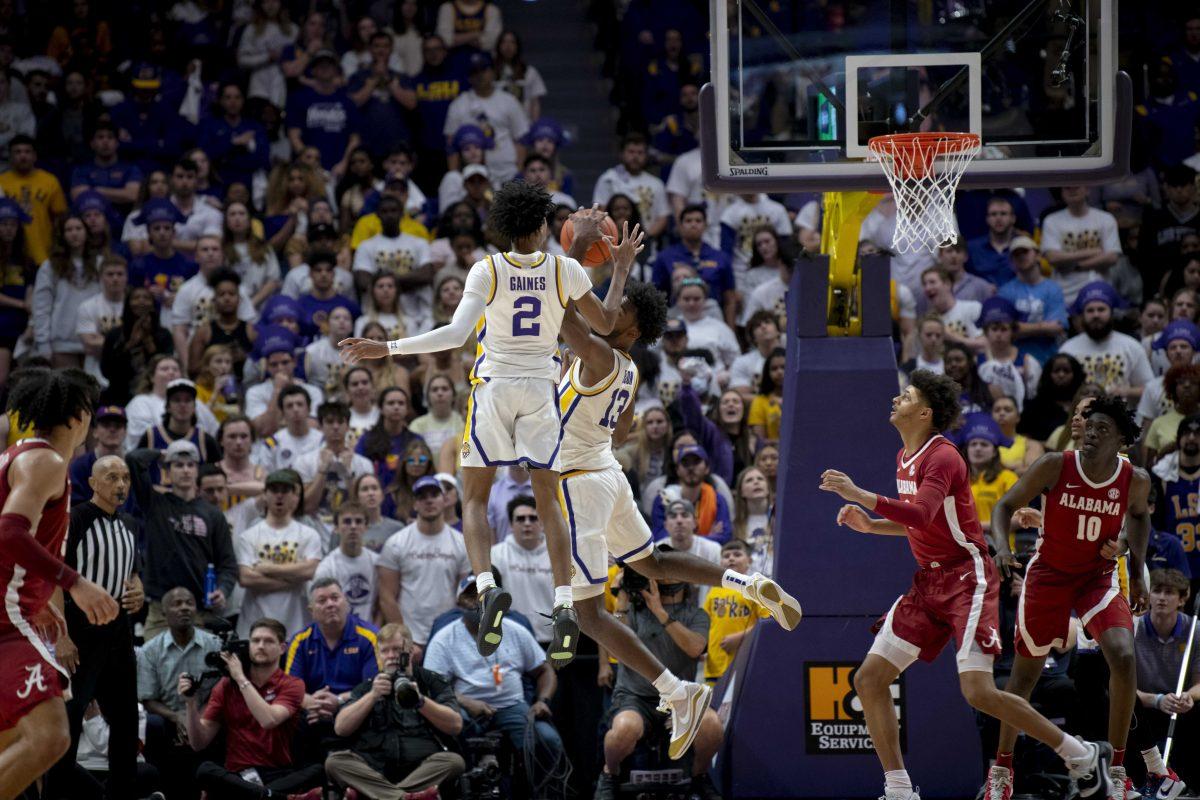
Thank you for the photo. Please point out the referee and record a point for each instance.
(102, 546)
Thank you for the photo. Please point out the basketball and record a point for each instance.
(598, 253)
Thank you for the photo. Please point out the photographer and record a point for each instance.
(399, 727)
(258, 730)
(676, 632)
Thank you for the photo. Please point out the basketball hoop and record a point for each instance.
(923, 170)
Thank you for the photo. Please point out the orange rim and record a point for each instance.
(912, 155)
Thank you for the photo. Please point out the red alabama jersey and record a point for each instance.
(21, 590)
(1079, 516)
(952, 531)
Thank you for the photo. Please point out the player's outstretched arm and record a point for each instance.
(447, 337)
(1137, 533)
(1036, 480)
(602, 316)
(854, 518)
(595, 354)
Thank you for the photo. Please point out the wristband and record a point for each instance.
(1158, 702)
(394, 348)
(243, 683)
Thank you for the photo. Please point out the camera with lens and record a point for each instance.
(634, 583)
(404, 689)
(216, 666)
(483, 780)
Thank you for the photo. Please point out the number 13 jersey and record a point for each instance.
(525, 297)
(590, 413)
(1079, 516)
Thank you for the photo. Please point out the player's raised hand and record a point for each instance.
(354, 349)
(840, 484)
(854, 518)
(586, 223)
(626, 251)
(93, 601)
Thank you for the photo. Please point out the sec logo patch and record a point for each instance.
(466, 450)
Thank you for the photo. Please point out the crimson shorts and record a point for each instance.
(29, 676)
(959, 600)
(1048, 597)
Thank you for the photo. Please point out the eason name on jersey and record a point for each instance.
(527, 283)
(1091, 505)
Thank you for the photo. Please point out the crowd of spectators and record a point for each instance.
(199, 203)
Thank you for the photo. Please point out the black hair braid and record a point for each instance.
(650, 305)
(44, 398)
(519, 209)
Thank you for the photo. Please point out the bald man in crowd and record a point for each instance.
(102, 547)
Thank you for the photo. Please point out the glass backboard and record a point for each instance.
(800, 87)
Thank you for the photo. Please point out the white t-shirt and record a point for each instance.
(526, 89)
(744, 219)
(961, 318)
(400, 255)
(747, 369)
(297, 282)
(98, 315)
(1017, 379)
(361, 423)
(771, 296)
(685, 181)
(292, 544)
(647, 192)
(1118, 361)
(1153, 403)
(430, 568)
(281, 449)
(337, 481)
(193, 305)
(203, 221)
(258, 395)
(528, 578)
(503, 116)
(716, 337)
(879, 228)
(1068, 233)
(255, 275)
(323, 364)
(145, 410)
(356, 577)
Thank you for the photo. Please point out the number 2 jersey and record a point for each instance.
(525, 297)
(590, 413)
(1079, 516)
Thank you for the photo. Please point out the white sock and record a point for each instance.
(667, 683)
(483, 581)
(896, 782)
(562, 596)
(735, 580)
(1070, 747)
(1154, 762)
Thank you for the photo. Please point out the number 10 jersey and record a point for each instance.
(590, 413)
(1079, 516)
(525, 296)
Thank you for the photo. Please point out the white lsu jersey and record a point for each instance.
(525, 303)
(590, 413)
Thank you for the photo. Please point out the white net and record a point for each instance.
(923, 170)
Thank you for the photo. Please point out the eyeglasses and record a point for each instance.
(525, 518)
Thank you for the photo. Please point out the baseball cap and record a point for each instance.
(674, 326)
(1096, 292)
(91, 200)
(284, 307)
(545, 128)
(445, 478)
(1021, 243)
(427, 482)
(997, 309)
(273, 339)
(680, 504)
(9, 209)
(692, 450)
(146, 76)
(283, 477)
(466, 585)
(158, 209)
(471, 170)
(110, 412)
(1178, 330)
(980, 425)
(480, 61)
(181, 450)
(181, 383)
(324, 54)
(471, 134)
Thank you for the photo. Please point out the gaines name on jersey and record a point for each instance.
(527, 283)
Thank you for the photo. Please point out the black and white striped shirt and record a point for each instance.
(103, 547)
